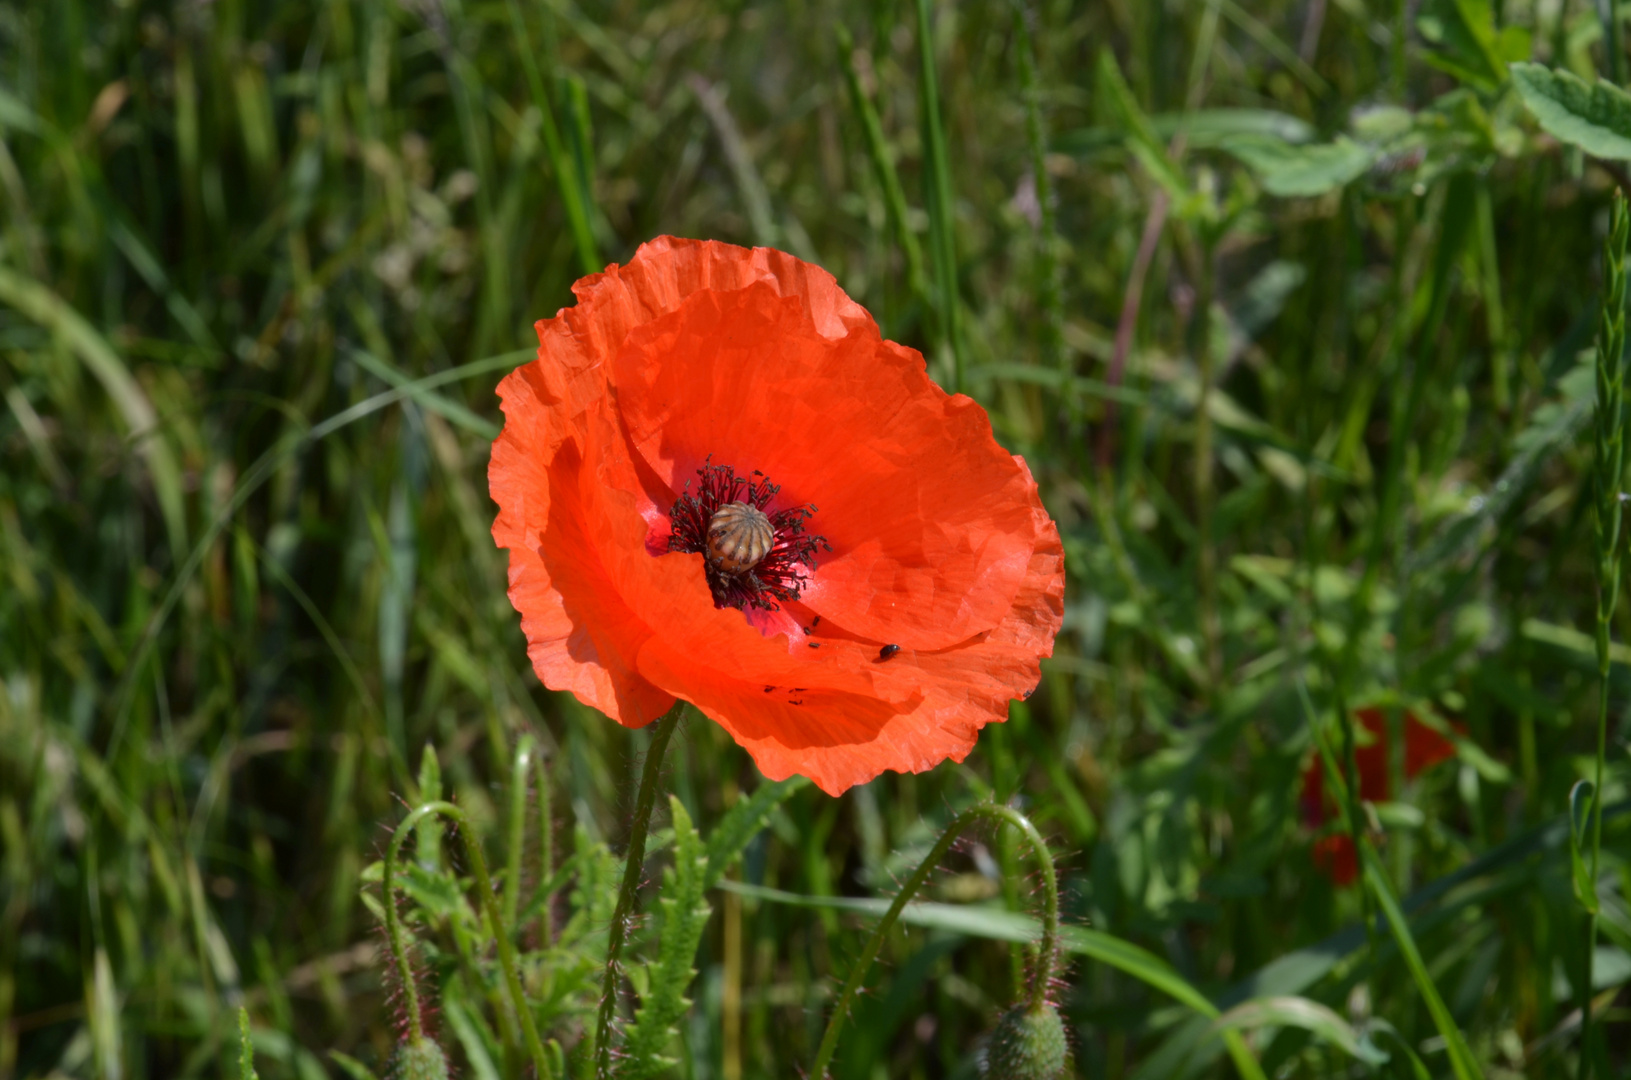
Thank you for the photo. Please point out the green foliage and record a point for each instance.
(1289, 170)
(1300, 1012)
(1596, 117)
(681, 914)
(1468, 44)
(261, 265)
(742, 822)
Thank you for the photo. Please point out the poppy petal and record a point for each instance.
(928, 518)
(578, 634)
(945, 582)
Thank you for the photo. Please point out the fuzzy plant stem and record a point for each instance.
(1050, 919)
(1610, 463)
(627, 894)
(490, 903)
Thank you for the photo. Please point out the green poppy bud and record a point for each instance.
(1028, 1045)
(421, 1059)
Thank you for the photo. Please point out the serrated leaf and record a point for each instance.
(1292, 171)
(1580, 811)
(681, 915)
(437, 894)
(742, 822)
(1596, 118)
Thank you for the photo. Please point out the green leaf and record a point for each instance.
(742, 823)
(1300, 1012)
(1596, 118)
(1580, 811)
(681, 915)
(1290, 171)
(1377, 1029)
(1203, 128)
(1462, 1062)
(1468, 46)
(480, 1046)
(1117, 96)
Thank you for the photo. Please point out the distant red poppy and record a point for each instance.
(1423, 748)
(718, 483)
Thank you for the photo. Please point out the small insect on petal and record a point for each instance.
(887, 651)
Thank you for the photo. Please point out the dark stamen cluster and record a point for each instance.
(778, 576)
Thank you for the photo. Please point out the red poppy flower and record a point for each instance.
(718, 483)
(1423, 748)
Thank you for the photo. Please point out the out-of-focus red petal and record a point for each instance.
(1335, 856)
(1424, 747)
(928, 518)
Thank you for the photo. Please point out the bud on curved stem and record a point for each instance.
(1050, 919)
(500, 931)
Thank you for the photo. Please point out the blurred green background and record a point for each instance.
(1287, 303)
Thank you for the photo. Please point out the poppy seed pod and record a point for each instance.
(1028, 1045)
(718, 483)
(420, 1059)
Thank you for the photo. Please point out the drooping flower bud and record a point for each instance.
(420, 1059)
(1028, 1045)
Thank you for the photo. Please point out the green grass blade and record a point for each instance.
(1461, 1059)
(47, 309)
(939, 195)
(883, 165)
(575, 196)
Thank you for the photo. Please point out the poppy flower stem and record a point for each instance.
(495, 916)
(618, 933)
(1050, 919)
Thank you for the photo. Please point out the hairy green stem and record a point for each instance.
(1050, 919)
(500, 929)
(628, 893)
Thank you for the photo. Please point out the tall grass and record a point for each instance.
(261, 265)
